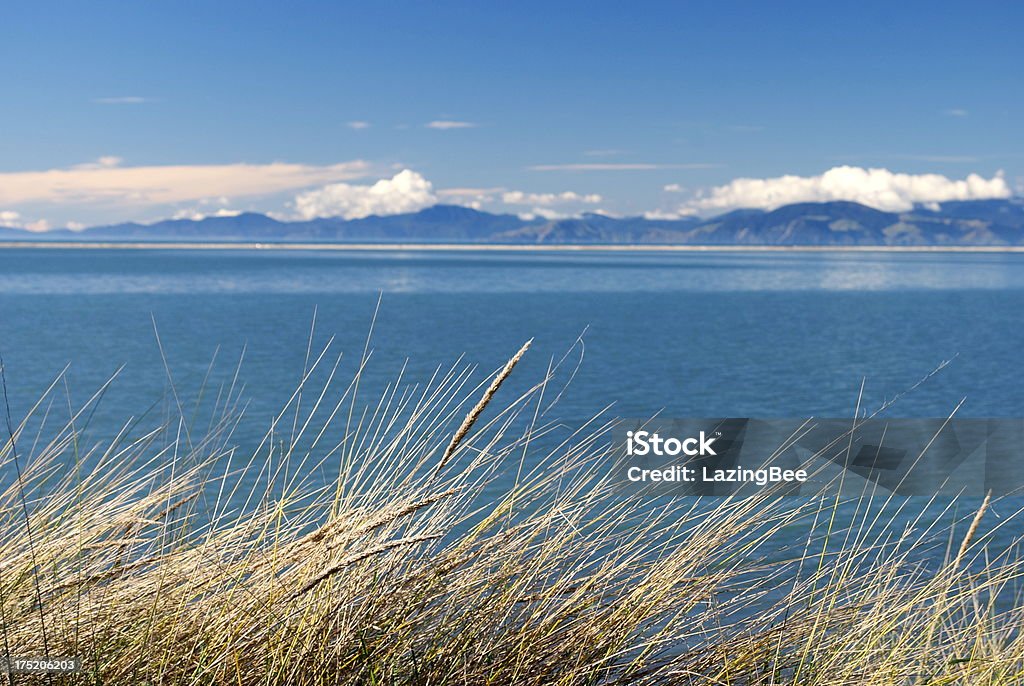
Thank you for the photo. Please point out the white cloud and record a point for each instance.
(637, 166)
(447, 124)
(358, 125)
(196, 215)
(673, 188)
(550, 206)
(105, 162)
(123, 100)
(504, 200)
(480, 193)
(469, 197)
(956, 112)
(878, 188)
(677, 214)
(548, 199)
(10, 219)
(406, 191)
(543, 213)
(106, 182)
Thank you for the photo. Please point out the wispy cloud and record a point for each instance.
(548, 199)
(524, 203)
(448, 124)
(956, 112)
(670, 214)
(104, 162)
(629, 166)
(358, 125)
(124, 100)
(476, 198)
(106, 182)
(471, 192)
(196, 215)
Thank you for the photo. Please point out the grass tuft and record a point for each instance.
(164, 557)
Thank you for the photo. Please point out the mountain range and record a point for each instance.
(965, 223)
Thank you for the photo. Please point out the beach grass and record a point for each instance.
(165, 556)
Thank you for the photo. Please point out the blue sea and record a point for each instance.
(686, 334)
(683, 334)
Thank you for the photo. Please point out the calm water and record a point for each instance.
(689, 334)
(758, 334)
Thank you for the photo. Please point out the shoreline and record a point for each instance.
(489, 247)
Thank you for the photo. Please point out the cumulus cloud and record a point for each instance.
(878, 188)
(406, 191)
(358, 125)
(447, 124)
(673, 188)
(106, 181)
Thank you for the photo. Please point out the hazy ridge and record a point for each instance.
(967, 223)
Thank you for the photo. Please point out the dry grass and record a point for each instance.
(165, 558)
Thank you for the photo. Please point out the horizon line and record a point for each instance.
(494, 247)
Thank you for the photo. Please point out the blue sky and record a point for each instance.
(118, 111)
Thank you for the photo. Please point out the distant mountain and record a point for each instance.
(245, 226)
(977, 222)
(435, 224)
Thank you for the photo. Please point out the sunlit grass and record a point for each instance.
(167, 557)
